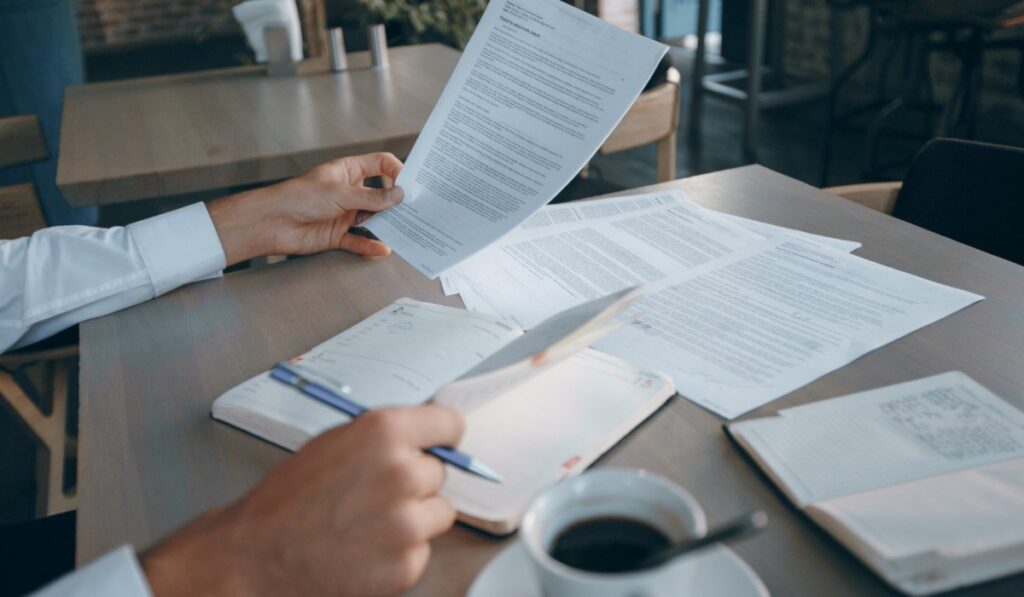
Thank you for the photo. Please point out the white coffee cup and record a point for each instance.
(610, 492)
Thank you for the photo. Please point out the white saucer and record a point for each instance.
(720, 572)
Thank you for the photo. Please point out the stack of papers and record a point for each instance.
(737, 312)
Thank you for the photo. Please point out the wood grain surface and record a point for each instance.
(151, 458)
(170, 135)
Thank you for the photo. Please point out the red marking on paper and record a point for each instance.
(568, 464)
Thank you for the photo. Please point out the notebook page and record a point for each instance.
(400, 355)
(937, 533)
(874, 439)
(556, 339)
(550, 427)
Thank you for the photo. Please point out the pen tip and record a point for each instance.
(485, 471)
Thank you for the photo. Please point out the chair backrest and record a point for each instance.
(970, 192)
(20, 214)
(653, 117)
(21, 142)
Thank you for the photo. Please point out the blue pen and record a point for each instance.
(286, 375)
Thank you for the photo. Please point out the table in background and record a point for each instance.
(177, 134)
(151, 458)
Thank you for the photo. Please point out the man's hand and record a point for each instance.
(309, 213)
(352, 513)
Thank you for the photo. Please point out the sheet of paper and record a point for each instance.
(887, 436)
(400, 355)
(553, 217)
(740, 332)
(554, 340)
(539, 87)
(525, 435)
(767, 230)
(565, 216)
(530, 279)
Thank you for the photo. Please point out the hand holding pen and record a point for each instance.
(286, 375)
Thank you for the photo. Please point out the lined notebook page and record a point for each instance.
(400, 355)
(552, 426)
(884, 437)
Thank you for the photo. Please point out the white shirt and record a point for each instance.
(64, 275)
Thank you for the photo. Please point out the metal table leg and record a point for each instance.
(755, 59)
(697, 78)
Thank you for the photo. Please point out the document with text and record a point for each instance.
(541, 272)
(742, 331)
(539, 87)
(496, 261)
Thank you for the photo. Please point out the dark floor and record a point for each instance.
(791, 142)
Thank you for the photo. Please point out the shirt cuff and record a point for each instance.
(178, 247)
(116, 573)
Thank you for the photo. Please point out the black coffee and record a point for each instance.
(611, 544)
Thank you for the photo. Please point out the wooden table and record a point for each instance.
(151, 458)
(170, 135)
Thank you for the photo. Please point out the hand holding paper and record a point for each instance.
(540, 86)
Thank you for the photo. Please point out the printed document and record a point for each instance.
(540, 86)
(739, 332)
(553, 219)
(539, 273)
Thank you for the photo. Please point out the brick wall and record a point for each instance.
(106, 24)
(805, 51)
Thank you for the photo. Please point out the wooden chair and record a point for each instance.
(967, 191)
(40, 371)
(879, 196)
(653, 118)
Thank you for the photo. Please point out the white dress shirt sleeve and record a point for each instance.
(116, 574)
(64, 275)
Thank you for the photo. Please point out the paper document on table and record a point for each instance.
(532, 277)
(765, 229)
(540, 86)
(887, 436)
(923, 480)
(742, 331)
(553, 217)
(400, 355)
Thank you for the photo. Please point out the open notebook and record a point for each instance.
(539, 405)
(923, 481)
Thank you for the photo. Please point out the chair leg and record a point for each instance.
(666, 148)
(840, 79)
(697, 79)
(755, 57)
(51, 432)
(917, 54)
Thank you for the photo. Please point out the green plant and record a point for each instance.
(448, 21)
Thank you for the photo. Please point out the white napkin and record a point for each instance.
(255, 15)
